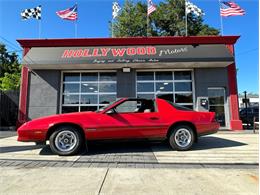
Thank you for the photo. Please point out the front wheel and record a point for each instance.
(182, 138)
(66, 141)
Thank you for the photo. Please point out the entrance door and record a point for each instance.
(217, 104)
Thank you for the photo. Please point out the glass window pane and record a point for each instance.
(70, 99)
(106, 99)
(164, 86)
(128, 106)
(145, 96)
(89, 76)
(163, 75)
(88, 108)
(89, 88)
(71, 88)
(219, 114)
(183, 86)
(216, 96)
(144, 76)
(108, 76)
(168, 96)
(188, 106)
(71, 77)
(182, 75)
(89, 99)
(107, 87)
(68, 109)
(183, 98)
(145, 87)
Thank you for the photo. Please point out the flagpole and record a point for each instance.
(76, 22)
(186, 19)
(76, 29)
(147, 25)
(221, 20)
(147, 20)
(112, 30)
(39, 29)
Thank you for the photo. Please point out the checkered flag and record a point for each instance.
(116, 8)
(33, 12)
(191, 8)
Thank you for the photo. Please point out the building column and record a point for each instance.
(126, 83)
(22, 112)
(235, 122)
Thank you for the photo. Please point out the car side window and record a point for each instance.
(135, 106)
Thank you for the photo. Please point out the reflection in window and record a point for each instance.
(183, 86)
(89, 76)
(163, 76)
(89, 88)
(70, 99)
(145, 87)
(182, 75)
(107, 87)
(67, 109)
(219, 114)
(106, 99)
(145, 76)
(71, 88)
(168, 96)
(183, 98)
(71, 77)
(89, 99)
(89, 91)
(146, 96)
(108, 76)
(88, 108)
(164, 86)
(174, 86)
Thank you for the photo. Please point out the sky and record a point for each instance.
(94, 17)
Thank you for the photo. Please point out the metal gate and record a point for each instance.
(9, 103)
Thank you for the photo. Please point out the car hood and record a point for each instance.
(47, 121)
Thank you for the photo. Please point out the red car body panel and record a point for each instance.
(101, 125)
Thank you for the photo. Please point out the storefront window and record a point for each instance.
(87, 91)
(174, 86)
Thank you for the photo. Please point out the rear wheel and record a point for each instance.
(66, 141)
(182, 138)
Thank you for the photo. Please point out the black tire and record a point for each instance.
(74, 141)
(179, 131)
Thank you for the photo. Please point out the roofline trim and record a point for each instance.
(28, 43)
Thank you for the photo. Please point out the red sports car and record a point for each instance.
(127, 118)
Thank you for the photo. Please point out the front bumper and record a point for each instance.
(31, 135)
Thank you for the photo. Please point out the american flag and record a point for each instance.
(151, 7)
(231, 9)
(68, 14)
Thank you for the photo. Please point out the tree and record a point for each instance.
(132, 20)
(167, 20)
(10, 70)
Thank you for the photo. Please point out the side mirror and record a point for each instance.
(111, 111)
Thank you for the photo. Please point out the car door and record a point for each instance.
(127, 121)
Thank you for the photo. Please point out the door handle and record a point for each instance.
(154, 118)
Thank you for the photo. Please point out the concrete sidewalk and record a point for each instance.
(128, 181)
(213, 149)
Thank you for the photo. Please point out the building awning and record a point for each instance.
(135, 56)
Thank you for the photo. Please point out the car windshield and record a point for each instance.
(103, 108)
(179, 107)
